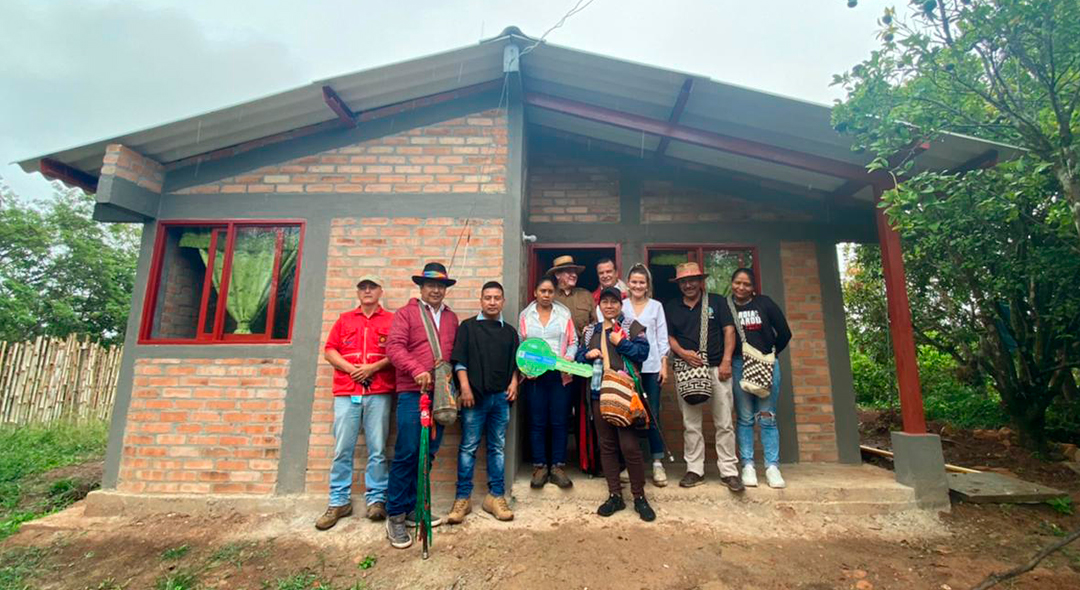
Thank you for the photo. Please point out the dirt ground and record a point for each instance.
(689, 546)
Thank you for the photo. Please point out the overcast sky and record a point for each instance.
(76, 71)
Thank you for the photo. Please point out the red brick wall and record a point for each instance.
(666, 202)
(204, 426)
(131, 165)
(462, 155)
(180, 293)
(569, 190)
(396, 249)
(814, 418)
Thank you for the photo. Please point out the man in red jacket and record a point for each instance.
(363, 384)
(410, 352)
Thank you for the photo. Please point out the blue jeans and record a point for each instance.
(750, 407)
(549, 409)
(650, 382)
(373, 412)
(488, 416)
(406, 463)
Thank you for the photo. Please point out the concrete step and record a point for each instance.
(826, 489)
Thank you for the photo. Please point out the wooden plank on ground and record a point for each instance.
(990, 487)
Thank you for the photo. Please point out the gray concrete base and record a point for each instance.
(920, 464)
(114, 503)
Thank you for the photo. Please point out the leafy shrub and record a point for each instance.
(945, 397)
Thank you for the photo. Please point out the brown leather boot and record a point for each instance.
(376, 511)
(559, 477)
(539, 477)
(457, 514)
(332, 515)
(497, 507)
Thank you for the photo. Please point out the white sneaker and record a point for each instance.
(624, 476)
(749, 476)
(659, 476)
(772, 475)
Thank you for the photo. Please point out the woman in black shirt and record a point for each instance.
(767, 330)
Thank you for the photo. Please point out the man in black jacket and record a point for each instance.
(483, 359)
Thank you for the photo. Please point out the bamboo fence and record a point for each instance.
(49, 379)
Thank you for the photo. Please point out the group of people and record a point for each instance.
(618, 328)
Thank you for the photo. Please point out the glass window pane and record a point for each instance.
(720, 264)
(250, 275)
(179, 294)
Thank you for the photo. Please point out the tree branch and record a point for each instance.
(997, 578)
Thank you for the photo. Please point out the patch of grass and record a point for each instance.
(19, 564)
(305, 580)
(178, 580)
(174, 553)
(367, 562)
(109, 584)
(237, 553)
(29, 450)
(1062, 505)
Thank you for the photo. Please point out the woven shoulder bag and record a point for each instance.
(757, 371)
(694, 384)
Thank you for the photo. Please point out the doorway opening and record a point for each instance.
(541, 257)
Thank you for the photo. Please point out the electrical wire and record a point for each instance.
(581, 5)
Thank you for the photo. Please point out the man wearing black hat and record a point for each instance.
(363, 384)
(411, 354)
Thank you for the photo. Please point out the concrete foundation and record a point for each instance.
(920, 465)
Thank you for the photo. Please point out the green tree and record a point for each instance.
(61, 272)
(992, 256)
(1007, 70)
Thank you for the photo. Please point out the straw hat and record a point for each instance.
(688, 270)
(565, 262)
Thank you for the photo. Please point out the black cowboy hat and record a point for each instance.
(434, 271)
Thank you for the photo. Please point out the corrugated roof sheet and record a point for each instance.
(626, 86)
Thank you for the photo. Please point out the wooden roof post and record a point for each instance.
(900, 326)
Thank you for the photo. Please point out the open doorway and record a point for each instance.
(542, 255)
(540, 259)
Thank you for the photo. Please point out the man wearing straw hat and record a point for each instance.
(578, 300)
(684, 317)
(409, 351)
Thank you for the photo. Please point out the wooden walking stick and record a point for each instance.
(423, 479)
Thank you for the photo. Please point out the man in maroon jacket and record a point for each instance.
(410, 352)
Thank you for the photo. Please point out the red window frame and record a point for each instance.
(221, 229)
(696, 253)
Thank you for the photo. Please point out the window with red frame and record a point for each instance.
(222, 282)
(718, 261)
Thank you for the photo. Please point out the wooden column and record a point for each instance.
(900, 327)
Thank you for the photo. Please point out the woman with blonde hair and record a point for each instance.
(648, 312)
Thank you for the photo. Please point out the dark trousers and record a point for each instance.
(549, 410)
(612, 440)
(401, 495)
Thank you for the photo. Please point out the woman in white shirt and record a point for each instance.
(649, 312)
(549, 395)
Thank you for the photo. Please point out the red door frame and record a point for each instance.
(534, 260)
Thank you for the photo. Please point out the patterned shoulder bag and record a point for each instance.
(757, 372)
(444, 401)
(694, 384)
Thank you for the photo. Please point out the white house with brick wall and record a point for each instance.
(493, 159)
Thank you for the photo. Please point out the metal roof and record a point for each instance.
(626, 86)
